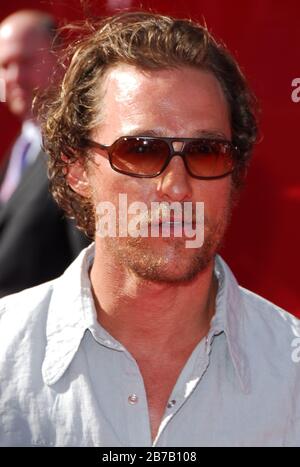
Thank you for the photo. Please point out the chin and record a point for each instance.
(167, 275)
(162, 260)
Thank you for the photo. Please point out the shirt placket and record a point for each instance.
(135, 403)
(184, 387)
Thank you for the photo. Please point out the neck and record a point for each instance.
(142, 314)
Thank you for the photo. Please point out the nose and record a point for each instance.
(175, 183)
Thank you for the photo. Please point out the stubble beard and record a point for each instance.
(167, 260)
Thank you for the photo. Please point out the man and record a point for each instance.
(144, 341)
(36, 242)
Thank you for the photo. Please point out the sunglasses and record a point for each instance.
(148, 156)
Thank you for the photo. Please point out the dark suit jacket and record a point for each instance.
(37, 242)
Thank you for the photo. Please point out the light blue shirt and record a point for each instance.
(66, 382)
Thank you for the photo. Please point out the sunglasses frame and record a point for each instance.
(172, 153)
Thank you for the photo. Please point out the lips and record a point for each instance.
(166, 217)
(174, 222)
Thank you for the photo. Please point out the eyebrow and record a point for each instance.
(210, 134)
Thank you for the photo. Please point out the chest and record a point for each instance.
(159, 383)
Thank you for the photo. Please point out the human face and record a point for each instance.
(25, 66)
(178, 102)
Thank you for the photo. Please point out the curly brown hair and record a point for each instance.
(149, 41)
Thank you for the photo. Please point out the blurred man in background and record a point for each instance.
(36, 242)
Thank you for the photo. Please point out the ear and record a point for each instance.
(77, 179)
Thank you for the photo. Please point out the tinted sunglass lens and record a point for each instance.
(139, 156)
(209, 158)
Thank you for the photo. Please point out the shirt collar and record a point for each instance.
(72, 312)
(66, 317)
(230, 318)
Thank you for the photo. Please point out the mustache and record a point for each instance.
(166, 213)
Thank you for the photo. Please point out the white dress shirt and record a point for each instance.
(65, 381)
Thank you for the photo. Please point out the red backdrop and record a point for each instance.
(262, 242)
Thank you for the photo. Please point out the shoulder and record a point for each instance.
(28, 299)
(271, 341)
(278, 324)
(273, 346)
(23, 321)
(23, 318)
(23, 315)
(267, 337)
(259, 320)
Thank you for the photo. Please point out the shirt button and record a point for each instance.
(133, 399)
(171, 404)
